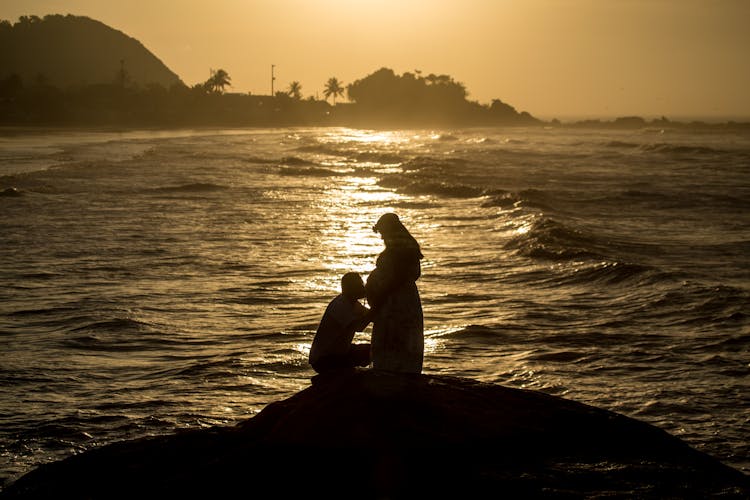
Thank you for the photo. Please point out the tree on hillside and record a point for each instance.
(295, 90)
(201, 88)
(333, 88)
(26, 20)
(122, 77)
(499, 108)
(219, 79)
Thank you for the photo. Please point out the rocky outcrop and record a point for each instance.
(368, 434)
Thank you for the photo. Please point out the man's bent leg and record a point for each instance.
(359, 355)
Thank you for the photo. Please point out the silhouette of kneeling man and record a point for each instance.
(332, 348)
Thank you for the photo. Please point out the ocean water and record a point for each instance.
(160, 280)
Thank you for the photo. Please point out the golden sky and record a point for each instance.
(553, 58)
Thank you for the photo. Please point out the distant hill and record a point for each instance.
(67, 51)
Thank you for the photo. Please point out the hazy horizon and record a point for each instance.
(572, 60)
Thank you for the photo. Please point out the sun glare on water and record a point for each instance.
(350, 210)
(351, 205)
(384, 139)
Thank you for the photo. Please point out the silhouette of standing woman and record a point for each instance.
(398, 326)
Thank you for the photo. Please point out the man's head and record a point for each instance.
(352, 286)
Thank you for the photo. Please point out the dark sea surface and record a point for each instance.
(160, 280)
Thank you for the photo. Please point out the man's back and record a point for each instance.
(334, 337)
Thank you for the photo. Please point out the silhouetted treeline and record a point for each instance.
(393, 101)
(153, 105)
(397, 105)
(412, 99)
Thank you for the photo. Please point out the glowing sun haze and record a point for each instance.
(553, 58)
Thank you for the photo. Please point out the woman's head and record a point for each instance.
(388, 224)
(395, 234)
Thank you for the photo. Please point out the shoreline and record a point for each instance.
(14, 130)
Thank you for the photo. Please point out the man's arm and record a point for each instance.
(364, 317)
(361, 323)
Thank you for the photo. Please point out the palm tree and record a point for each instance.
(295, 90)
(219, 79)
(333, 88)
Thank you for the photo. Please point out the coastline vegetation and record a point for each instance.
(102, 77)
(380, 99)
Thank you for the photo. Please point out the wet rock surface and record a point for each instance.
(368, 434)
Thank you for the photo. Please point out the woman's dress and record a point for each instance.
(398, 325)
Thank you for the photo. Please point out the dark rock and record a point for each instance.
(11, 192)
(368, 434)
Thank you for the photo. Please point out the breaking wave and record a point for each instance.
(409, 185)
(296, 161)
(548, 239)
(680, 149)
(534, 198)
